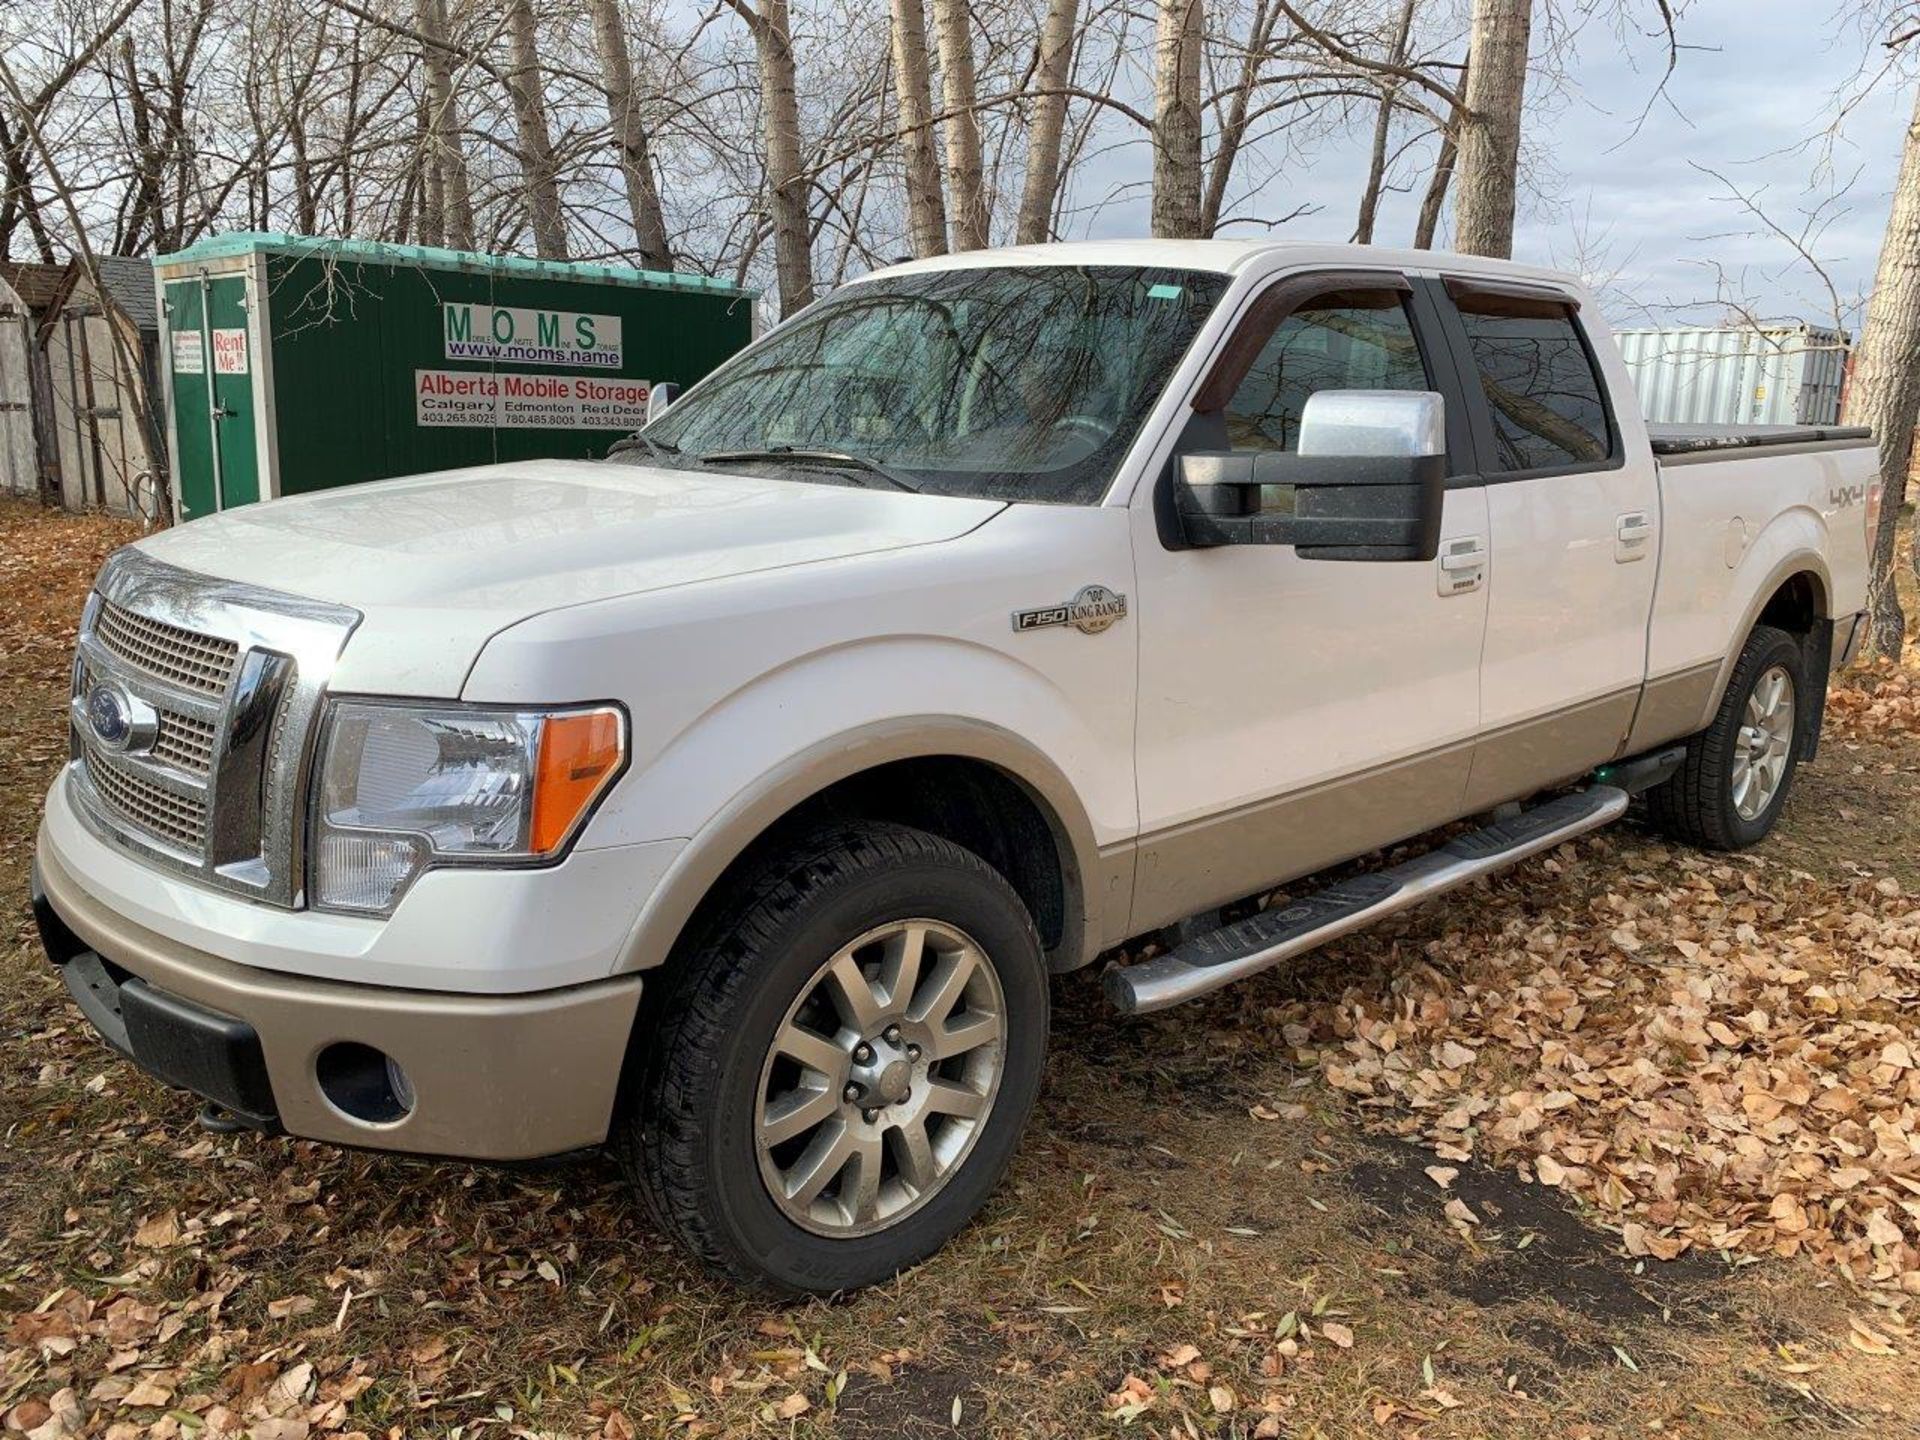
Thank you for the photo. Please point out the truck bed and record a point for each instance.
(1718, 439)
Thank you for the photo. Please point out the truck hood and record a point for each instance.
(438, 563)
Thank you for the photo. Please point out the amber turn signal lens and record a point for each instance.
(579, 755)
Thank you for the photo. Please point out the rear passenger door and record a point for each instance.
(1573, 525)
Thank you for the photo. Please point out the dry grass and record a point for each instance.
(1201, 1236)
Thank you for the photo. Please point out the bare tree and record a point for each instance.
(1053, 68)
(1383, 129)
(786, 179)
(1179, 35)
(926, 206)
(630, 135)
(1434, 198)
(1885, 389)
(536, 139)
(953, 20)
(1487, 169)
(1237, 117)
(446, 157)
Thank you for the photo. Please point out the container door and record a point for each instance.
(212, 363)
(229, 351)
(19, 457)
(188, 397)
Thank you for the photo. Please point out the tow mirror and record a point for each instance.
(1366, 483)
(659, 398)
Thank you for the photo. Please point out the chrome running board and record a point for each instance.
(1259, 942)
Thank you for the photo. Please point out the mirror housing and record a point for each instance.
(659, 397)
(1367, 482)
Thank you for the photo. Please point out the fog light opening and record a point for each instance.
(363, 1083)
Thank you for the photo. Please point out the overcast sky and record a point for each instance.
(1770, 77)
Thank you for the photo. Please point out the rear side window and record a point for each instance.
(1346, 340)
(1548, 408)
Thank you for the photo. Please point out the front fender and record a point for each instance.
(1098, 884)
(749, 696)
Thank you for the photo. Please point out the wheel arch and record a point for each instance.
(1794, 593)
(974, 782)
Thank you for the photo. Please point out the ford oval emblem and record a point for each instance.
(119, 721)
(110, 716)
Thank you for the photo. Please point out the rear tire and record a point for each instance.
(728, 1125)
(1730, 790)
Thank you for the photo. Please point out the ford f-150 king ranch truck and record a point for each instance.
(730, 800)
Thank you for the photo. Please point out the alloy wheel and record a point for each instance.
(880, 1078)
(1763, 743)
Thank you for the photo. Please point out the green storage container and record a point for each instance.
(293, 363)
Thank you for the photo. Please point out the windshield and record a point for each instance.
(1002, 383)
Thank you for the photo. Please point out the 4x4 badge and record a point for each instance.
(1094, 609)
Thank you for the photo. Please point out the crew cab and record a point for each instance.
(731, 800)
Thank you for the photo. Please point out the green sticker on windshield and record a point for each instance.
(1164, 292)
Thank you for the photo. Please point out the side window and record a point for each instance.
(1347, 340)
(1548, 407)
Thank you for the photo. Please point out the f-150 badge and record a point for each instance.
(1094, 609)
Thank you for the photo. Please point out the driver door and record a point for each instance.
(1294, 713)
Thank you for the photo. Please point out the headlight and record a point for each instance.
(403, 788)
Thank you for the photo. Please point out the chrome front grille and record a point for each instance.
(185, 740)
(196, 662)
(177, 819)
(219, 686)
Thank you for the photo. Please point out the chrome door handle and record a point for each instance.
(1463, 565)
(1630, 535)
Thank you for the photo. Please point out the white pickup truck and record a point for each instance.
(730, 800)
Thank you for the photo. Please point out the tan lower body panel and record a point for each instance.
(1673, 705)
(1520, 759)
(498, 1077)
(1194, 867)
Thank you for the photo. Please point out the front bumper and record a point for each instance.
(496, 1077)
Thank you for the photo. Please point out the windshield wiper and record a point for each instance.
(833, 459)
(637, 441)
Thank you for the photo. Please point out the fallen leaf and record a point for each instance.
(157, 1232)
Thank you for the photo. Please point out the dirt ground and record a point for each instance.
(1421, 1185)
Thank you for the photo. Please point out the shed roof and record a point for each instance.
(35, 283)
(129, 281)
(375, 252)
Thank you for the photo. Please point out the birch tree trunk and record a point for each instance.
(536, 140)
(1035, 223)
(1885, 389)
(1233, 126)
(630, 135)
(1178, 36)
(1382, 133)
(786, 180)
(449, 189)
(926, 206)
(954, 22)
(1489, 140)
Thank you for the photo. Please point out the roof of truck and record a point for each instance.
(1230, 256)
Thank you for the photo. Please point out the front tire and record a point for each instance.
(1734, 782)
(839, 1067)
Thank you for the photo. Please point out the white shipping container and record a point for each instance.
(1785, 374)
